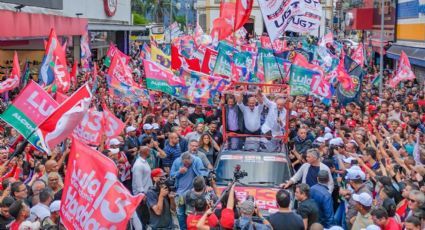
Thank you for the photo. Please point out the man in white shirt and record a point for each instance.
(141, 180)
(275, 122)
(42, 210)
(251, 113)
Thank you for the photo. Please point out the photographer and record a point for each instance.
(200, 190)
(248, 209)
(201, 206)
(185, 168)
(160, 202)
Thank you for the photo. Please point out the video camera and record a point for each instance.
(238, 174)
(210, 177)
(169, 182)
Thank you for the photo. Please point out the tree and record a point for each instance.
(139, 19)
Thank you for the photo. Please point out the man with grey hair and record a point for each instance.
(193, 149)
(309, 171)
(36, 188)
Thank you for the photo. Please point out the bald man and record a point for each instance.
(50, 166)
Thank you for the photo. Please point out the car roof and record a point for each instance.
(240, 152)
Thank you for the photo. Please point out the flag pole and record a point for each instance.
(273, 49)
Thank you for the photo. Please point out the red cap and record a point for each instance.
(157, 173)
(227, 219)
(351, 123)
(371, 108)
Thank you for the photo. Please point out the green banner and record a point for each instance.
(300, 80)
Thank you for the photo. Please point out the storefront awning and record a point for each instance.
(416, 55)
(114, 27)
(21, 25)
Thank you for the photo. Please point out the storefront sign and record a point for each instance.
(110, 7)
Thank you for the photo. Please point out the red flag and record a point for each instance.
(121, 71)
(64, 119)
(13, 80)
(404, 71)
(302, 61)
(177, 61)
(74, 73)
(90, 129)
(342, 76)
(58, 63)
(233, 15)
(113, 125)
(93, 197)
(209, 61)
(60, 97)
(358, 55)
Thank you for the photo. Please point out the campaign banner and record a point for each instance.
(300, 80)
(126, 93)
(121, 71)
(114, 51)
(93, 197)
(243, 66)
(224, 59)
(321, 88)
(404, 71)
(160, 57)
(275, 68)
(113, 125)
(159, 78)
(32, 106)
(14, 79)
(278, 45)
(90, 128)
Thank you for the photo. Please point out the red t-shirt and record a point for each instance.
(192, 221)
(187, 130)
(402, 209)
(15, 225)
(392, 225)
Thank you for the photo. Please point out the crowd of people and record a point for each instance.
(359, 166)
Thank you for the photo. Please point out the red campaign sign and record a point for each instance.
(209, 61)
(90, 129)
(156, 71)
(92, 197)
(59, 66)
(114, 51)
(14, 78)
(320, 87)
(121, 71)
(113, 125)
(278, 45)
(404, 71)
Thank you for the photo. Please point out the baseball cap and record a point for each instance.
(114, 141)
(336, 141)
(247, 207)
(147, 126)
(320, 140)
(114, 151)
(130, 129)
(363, 198)
(353, 174)
(328, 130)
(328, 136)
(351, 123)
(158, 172)
(348, 160)
(55, 206)
(155, 126)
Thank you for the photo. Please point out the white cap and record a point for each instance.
(353, 174)
(364, 199)
(354, 142)
(114, 141)
(372, 227)
(328, 136)
(348, 160)
(336, 141)
(334, 228)
(155, 126)
(293, 113)
(328, 130)
(55, 206)
(320, 140)
(130, 129)
(114, 151)
(147, 126)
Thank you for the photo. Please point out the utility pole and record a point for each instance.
(381, 50)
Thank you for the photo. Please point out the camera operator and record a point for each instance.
(160, 202)
(248, 209)
(185, 168)
(200, 190)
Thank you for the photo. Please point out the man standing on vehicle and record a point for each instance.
(307, 208)
(251, 114)
(234, 122)
(185, 169)
(309, 171)
(275, 122)
(323, 198)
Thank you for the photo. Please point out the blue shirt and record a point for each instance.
(173, 152)
(320, 194)
(312, 173)
(184, 181)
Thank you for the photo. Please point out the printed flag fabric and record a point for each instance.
(277, 45)
(14, 79)
(224, 59)
(29, 109)
(114, 51)
(209, 61)
(60, 124)
(178, 61)
(243, 66)
(346, 96)
(90, 129)
(328, 38)
(321, 88)
(300, 80)
(233, 15)
(404, 71)
(358, 55)
(93, 197)
(125, 93)
(53, 67)
(85, 51)
(121, 71)
(275, 68)
(161, 79)
(113, 125)
(74, 73)
(160, 57)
